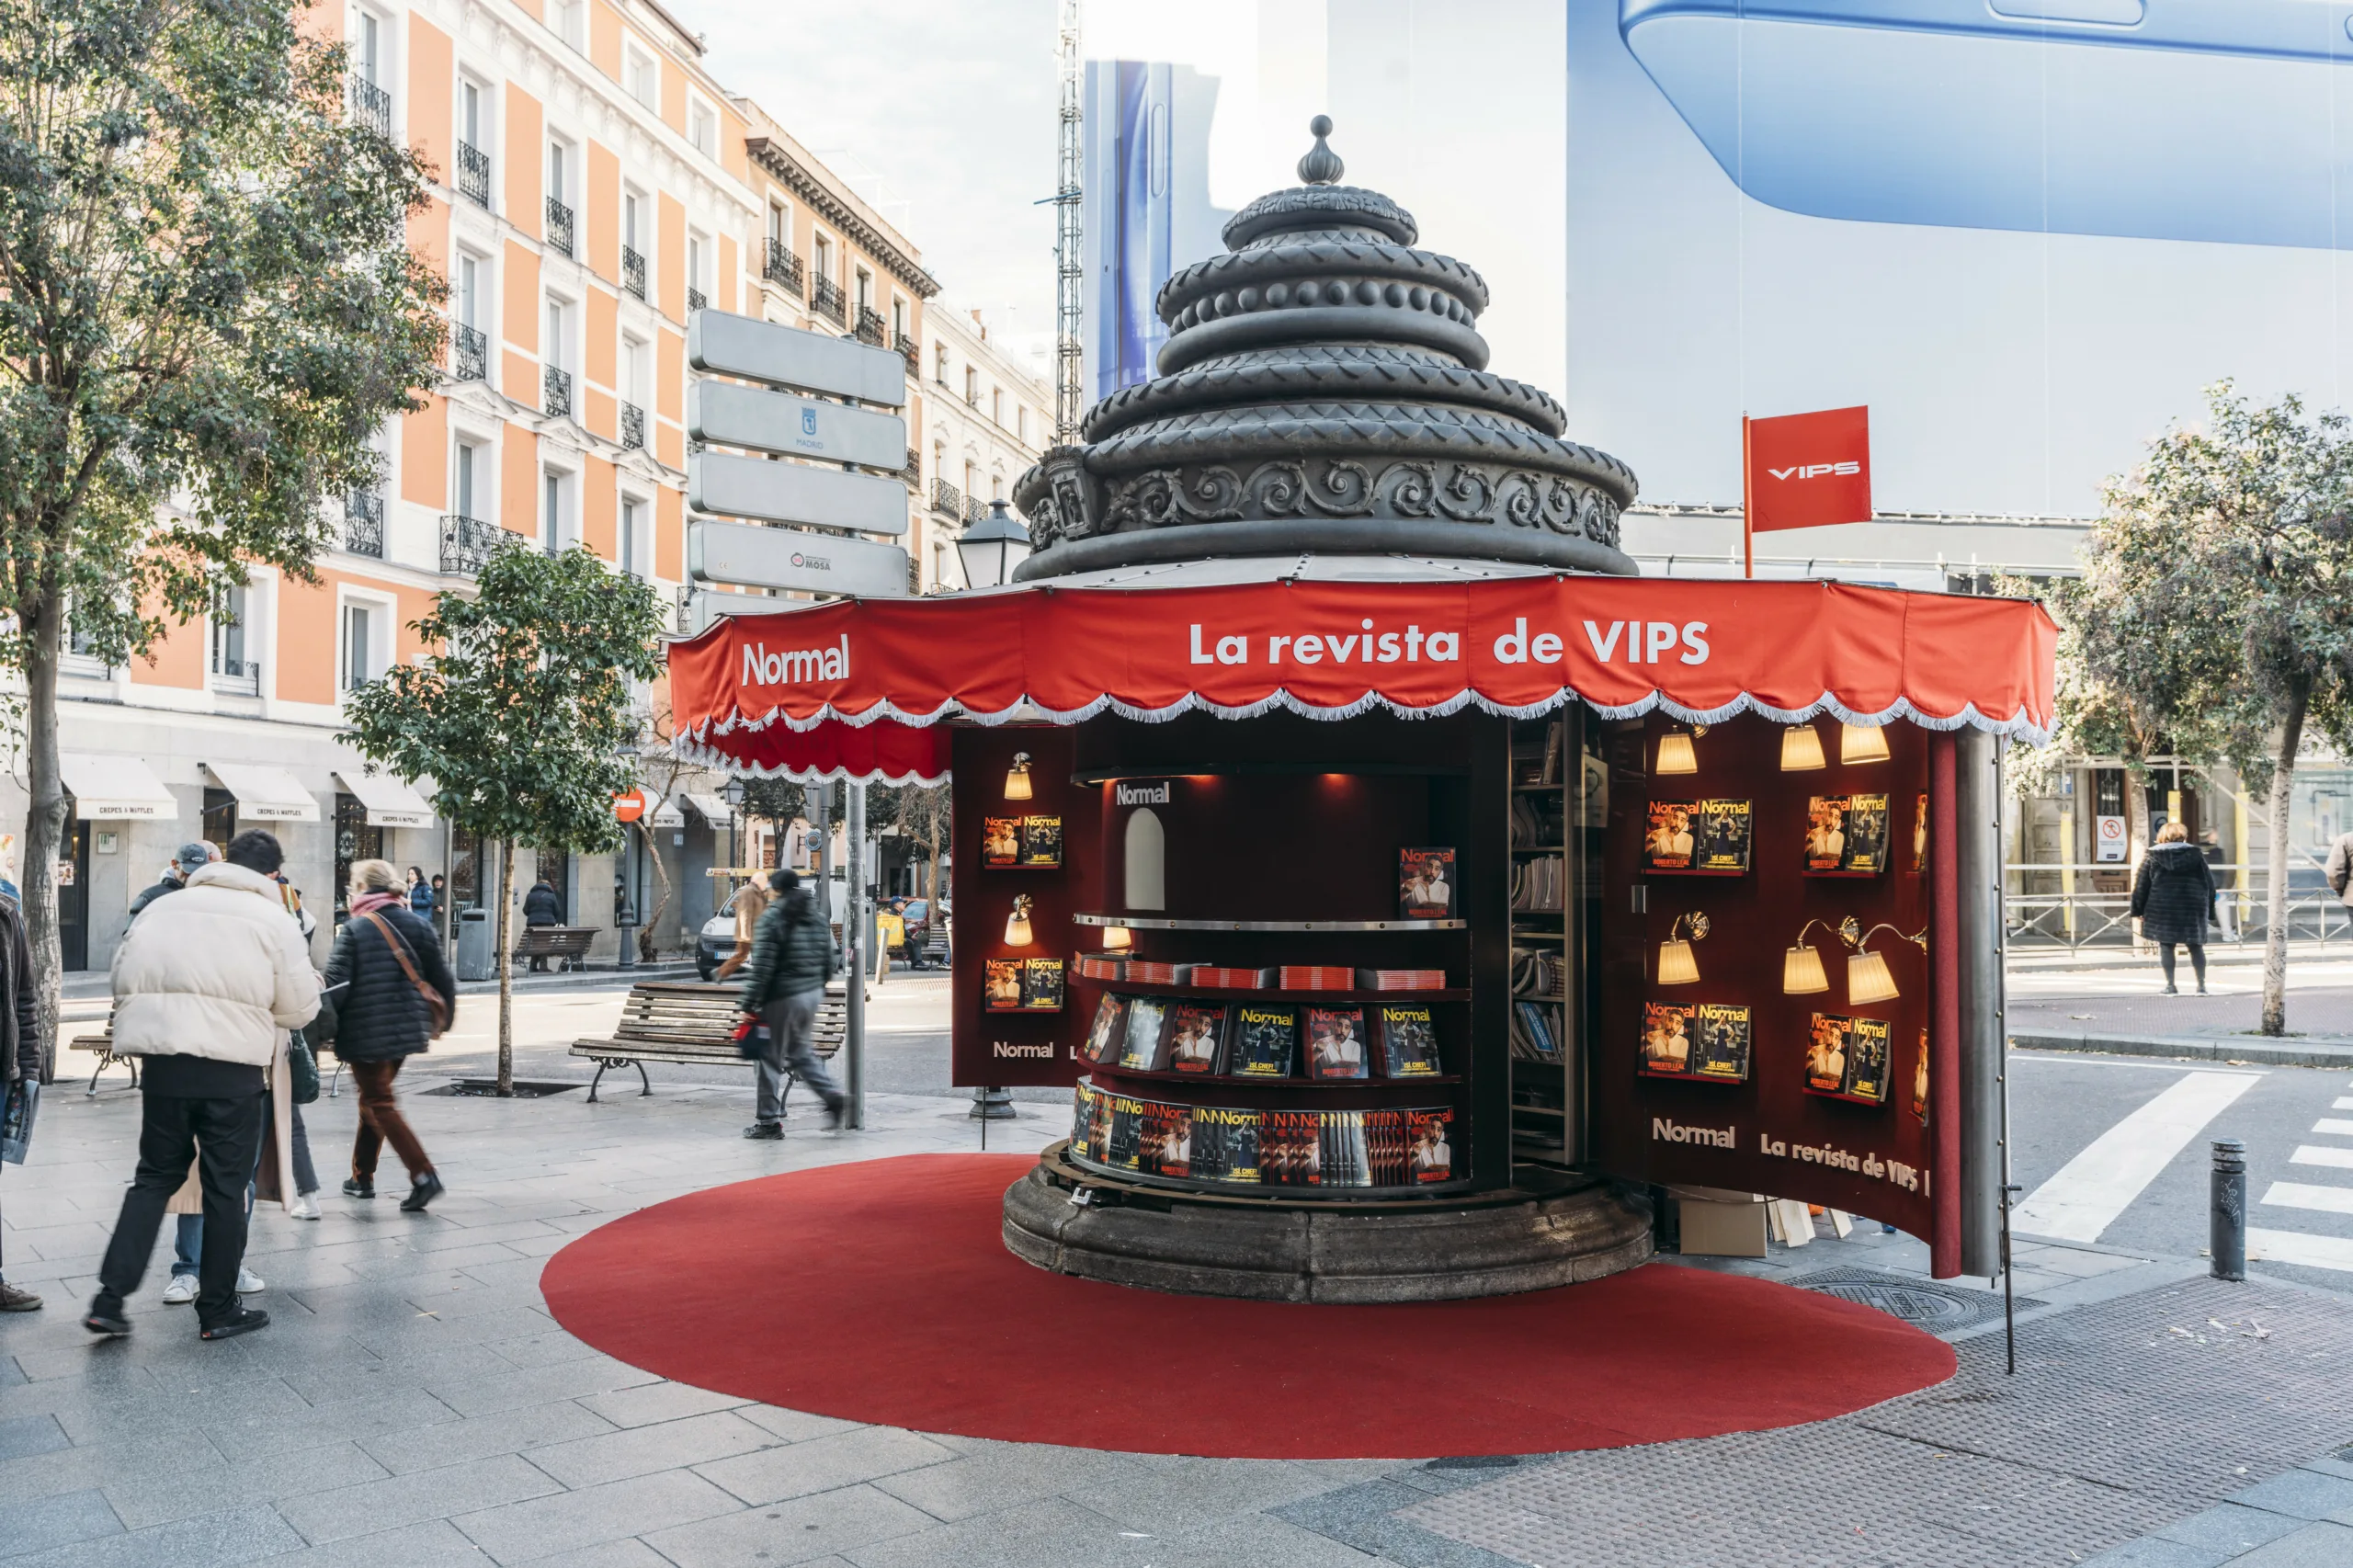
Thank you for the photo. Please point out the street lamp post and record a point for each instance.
(992, 548)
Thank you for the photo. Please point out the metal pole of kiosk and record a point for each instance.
(854, 943)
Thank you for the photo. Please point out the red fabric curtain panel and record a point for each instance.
(1703, 650)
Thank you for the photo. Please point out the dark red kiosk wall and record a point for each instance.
(1784, 1142)
(1017, 1048)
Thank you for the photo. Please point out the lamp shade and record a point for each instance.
(1801, 972)
(1676, 754)
(1677, 965)
(1017, 925)
(992, 548)
(1801, 749)
(1862, 743)
(1017, 778)
(1869, 979)
(1118, 938)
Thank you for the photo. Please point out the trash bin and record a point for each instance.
(477, 946)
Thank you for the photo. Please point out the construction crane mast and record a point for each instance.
(1070, 294)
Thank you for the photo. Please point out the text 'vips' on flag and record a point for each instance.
(1806, 471)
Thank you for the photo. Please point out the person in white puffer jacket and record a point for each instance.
(206, 984)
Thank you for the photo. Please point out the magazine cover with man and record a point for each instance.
(1000, 986)
(1666, 1039)
(1042, 985)
(1426, 884)
(1669, 844)
(1290, 1148)
(1720, 1039)
(1000, 841)
(1167, 1142)
(1108, 1030)
(1867, 836)
(1125, 1148)
(1430, 1144)
(1920, 1082)
(1194, 1030)
(1723, 843)
(1041, 841)
(1336, 1046)
(1262, 1039)
(1409, 1042)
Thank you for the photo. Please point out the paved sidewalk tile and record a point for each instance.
(53, 1521)
(806, 1528)
(30, 1434)
(2304, 1494)
(649, 1402)
(823, 1464)
(2314, 1546)
(428, 1494)
(435, 1543)
(641, 1450)
(212, 1540)
(562, 1524)
(462, 1441)
(2229, 1528)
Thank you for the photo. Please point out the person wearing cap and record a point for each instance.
(176, 875)
(784, 984)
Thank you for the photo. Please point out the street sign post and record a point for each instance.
(733, 486)
(756, 557)
(735, 415)
(726, 345)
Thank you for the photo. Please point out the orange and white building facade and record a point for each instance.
(594, 183)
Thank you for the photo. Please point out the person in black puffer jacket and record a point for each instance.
(792, 957)
(2172, 895)
(382, 1020)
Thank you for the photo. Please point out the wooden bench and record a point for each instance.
(691, 1021)
(568, 944)
(102, 1044)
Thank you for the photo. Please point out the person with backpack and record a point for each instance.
(784, 985)
(397, 995)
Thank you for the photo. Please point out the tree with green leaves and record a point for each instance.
(2216, 611)
(522, 716)
(207, 308)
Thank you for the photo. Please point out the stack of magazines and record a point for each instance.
(1536, 884)
(1540, 973)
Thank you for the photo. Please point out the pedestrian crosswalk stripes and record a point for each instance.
(2322, 1154)
(2306, 1195)
(2334, 1126)
(2087, 1194)
(2342, 1102)
(2300, 1247)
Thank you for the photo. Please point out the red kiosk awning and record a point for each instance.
(856, 687)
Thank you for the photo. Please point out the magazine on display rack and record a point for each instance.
(1847, 1059)
(1195, 1030)
(1042, 985)
(1165, 1147)
(1335, 1043)
(1706, 837)
(1000, 841)
(1426, 884)
(1409, 1042)
(1846, 836)
(1000, 986)
(1430, 1144)
(1290, 1148)
(1105, 1035)
(1141, 1051)
(1920, 1082)
(1082, 1116)
(1669, 844)
(1666, 1038)
(1124, 1145)
(1920, 835)
(1041, 841)
(1698, 1039)
(1265, 1036)
(1724, 838)
(1225, 1144)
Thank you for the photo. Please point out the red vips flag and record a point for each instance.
(1804, 470)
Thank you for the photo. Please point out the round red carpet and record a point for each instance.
(879, 1291)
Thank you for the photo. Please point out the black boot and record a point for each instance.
(239, 1319)
(427, 1188)
(359, 1186)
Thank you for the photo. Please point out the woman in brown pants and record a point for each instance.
(393, 975)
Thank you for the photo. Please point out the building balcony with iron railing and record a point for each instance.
(467, 543)
(826, 298)
(696, 299)
(633, 271)
(782, 268)
(371, 106)
(975, 510)
(870, 328)
(946, 499)
(559, 226)
(911, 351)
(633, 427)
(363, 523)
(555, 391)
(473, 175)
(912, 473)
(470, 352)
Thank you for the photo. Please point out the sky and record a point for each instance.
(941, 115)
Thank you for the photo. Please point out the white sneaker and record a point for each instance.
(248, 1284)
(180, 1292)
(305, 1207)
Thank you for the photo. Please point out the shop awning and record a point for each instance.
(853, 687)
(390, 802)
(712, 808)
(265, 794)
(106, 787)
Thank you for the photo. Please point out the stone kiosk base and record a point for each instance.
(1562, 1230)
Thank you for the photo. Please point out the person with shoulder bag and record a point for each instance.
(397, 995)
(792, 957)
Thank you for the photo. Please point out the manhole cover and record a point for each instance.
(1938, 1308)
(471, 1088)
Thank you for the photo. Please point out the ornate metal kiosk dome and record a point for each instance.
(1324, 389)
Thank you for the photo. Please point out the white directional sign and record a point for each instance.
(755, 557)
(736, 416)
(770, 492)
(728, 345)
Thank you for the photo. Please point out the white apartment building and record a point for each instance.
(988, 416)
(596, 184)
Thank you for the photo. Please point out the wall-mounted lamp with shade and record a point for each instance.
(1017, 925)
(1867, 977)
(1676, 753)
(1801, 749)
(1802, 970)
(1118, 938)
(1677, 964)
(1017, 778)
(1861, 742)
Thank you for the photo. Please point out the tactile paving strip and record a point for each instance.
(2122, 1418)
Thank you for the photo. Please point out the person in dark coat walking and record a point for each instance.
(381, 1020)
(21, 1051)
(784, 984)
(541, 907)
(2172, 896)
(176, 875)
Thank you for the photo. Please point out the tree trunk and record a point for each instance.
(505, 968)
(2275, 935)
(648, 941)
(44, 821)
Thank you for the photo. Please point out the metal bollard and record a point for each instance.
(2227, 1223)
